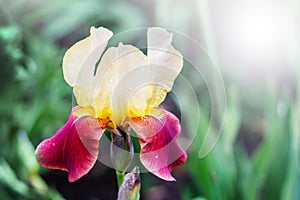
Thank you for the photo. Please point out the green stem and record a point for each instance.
(120, 177)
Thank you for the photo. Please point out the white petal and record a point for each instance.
(79, 63)
(166, 63)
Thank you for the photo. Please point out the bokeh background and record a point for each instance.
(255, 46)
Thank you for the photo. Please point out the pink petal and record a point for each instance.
(157, 134)
(74, 147)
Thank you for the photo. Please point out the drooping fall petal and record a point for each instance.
(157, 134)
(74, 147)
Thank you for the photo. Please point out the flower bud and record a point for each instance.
(121, 149)
(130, 189)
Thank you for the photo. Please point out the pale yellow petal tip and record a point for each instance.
(101, 32)
(158, 29)
(73, 60)
(160, 39)
(77, 54)
(160, 33)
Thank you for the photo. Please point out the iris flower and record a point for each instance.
(105, 87)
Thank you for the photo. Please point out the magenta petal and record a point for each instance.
(74, 147)
(157, 134)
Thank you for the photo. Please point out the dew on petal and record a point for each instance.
(158, 134)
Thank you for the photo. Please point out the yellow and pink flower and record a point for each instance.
(101, 105)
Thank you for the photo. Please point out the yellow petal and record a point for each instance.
(118, 71)
(166, 63)
(79, 63)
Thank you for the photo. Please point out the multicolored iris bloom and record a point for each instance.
(105, 85)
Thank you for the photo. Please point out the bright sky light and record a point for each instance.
(258, 29)
(256, 34)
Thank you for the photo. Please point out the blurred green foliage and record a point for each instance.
(35, 101)
(270, 172)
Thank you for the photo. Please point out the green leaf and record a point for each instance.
(290, 184)
(9, 179)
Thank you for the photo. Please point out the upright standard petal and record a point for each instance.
(74, 147)
(166, 63)
(115, 81)
(79, 64)
(157, 134)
